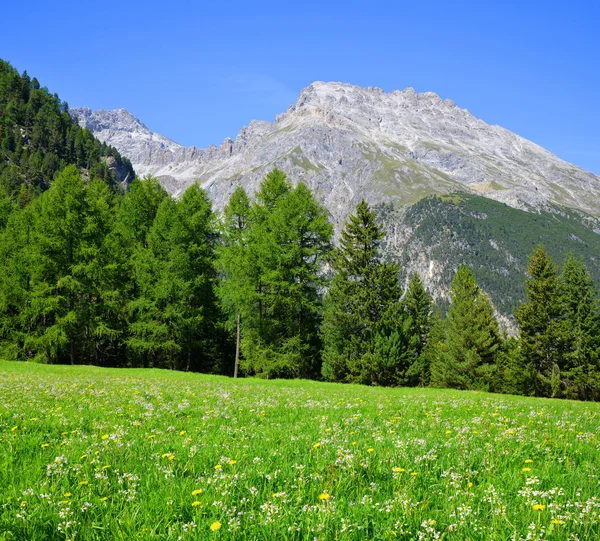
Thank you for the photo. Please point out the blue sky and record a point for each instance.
(199, 71)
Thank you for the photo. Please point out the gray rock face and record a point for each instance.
(348, 142)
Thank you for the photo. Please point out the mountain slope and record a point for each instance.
(38, 139)
(396, 149)
(348, 142)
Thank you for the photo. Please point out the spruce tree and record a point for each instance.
(173, 314)
(543, 326)
(363, 330)
(417, 305)
(582, 358)
(472, 337)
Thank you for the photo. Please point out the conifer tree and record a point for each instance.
(582, 358)
(289, 239)
(173, 314)
(472, 337)
(236, 287)
(417, 304)
(543, 327)
(363, 328)
(55, 308)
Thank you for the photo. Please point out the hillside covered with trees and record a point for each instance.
(38, 139)
(93, 274)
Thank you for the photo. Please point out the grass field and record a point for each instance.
(90, 453)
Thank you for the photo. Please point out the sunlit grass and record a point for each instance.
(90, 453)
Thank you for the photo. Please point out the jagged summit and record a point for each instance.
(347, 142)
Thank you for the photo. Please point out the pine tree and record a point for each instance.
(174, 312)
(236, 287)
(582, 359)
(288, 241)
(363, 328)
(55, 311)
(472, 337)
(417, 304)
(543, 327)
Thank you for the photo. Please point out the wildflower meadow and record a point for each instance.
(90, 453)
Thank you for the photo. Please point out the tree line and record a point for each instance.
(141, 279)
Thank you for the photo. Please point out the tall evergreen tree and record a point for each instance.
(417, 304)
(363, 328)
(543, 327)
(237, 285)
(472, 337)
(289, 239)
(582, 359)
(173, 314)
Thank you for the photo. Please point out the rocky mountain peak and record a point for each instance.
(348, 142)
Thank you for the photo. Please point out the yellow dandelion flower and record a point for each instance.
(557, 521)
(195, 503)
(196, 492)
(151, 436)
(539, 507)
(354, 443)
(103, 499)
(68, 494)
(182, 433)
(414, 473)
(396, 469)
(105, 437)
(370, 450)
(526, 469)
(44, 445)
(232, 462)
(469, 484)
(83, 483)
(14, 428)
(171, 457)
(316, 445)
(218, 467)
(528, 461)
(448, 431)
(324, 496)
(215, 526)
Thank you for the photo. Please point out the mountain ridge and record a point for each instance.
(347, 142)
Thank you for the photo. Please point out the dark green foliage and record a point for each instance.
(543, 326)
(272, 263)
(38, 139)
(364, 327)
(173, 314)
(493, 239)
(472, 338)
(582, 359)
(418, 306)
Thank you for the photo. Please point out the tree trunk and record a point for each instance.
(237, 348)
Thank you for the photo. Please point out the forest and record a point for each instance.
(100, 270)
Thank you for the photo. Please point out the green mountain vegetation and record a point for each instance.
(38, 139)
(493, 239)
(93, 274)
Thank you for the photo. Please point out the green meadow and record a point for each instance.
(90, 453)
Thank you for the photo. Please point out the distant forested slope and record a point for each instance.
(494, 239)
(38, 139)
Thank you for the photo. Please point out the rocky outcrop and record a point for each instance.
(348, 142)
